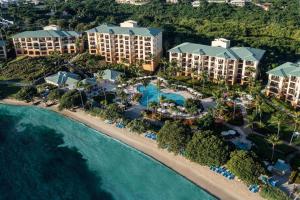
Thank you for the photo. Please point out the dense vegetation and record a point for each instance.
(245, 166)
(72, 98)
(207, 149)
(174, 136)
(277, 31)
(273, 193)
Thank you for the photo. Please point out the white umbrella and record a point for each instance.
(165, 104)
(163, 111)
(231, 132)
(123, 84)
(224, 133)
(159, 110)
(172, 104)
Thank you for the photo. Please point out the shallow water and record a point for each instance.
(44, 155)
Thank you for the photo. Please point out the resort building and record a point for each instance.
(46, 42)
(218, 61)
(196, 4)
(284, 82)
(240, 3)
(172, 1)
(127, 44)
(63, 79)
(133, 2)
(3, 52)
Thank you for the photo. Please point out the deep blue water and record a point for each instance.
(45, 156)
(151, 94)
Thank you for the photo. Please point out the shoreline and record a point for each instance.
(212, 183)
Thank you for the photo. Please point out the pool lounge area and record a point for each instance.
(151, 93)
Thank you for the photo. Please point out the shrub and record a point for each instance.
(174, 136)
(26, 93)
(112, 112)
(71, 99)
(138, 125)
(207, 149)
(245, 166)
(273, 193)
(55, 94)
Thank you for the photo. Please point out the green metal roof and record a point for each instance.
(62, 78)
(286, 69)
(248, 53)
(111, 74)
(46, 33)
(2, 43)
(234, 53)
(112, 29)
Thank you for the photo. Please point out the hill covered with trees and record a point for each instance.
(277, 31)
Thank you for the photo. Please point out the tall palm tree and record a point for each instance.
(203, 77)
(99, 78)
(274, 140)
(158, 85)
(251, 121)
(278, 119)
(296, 119)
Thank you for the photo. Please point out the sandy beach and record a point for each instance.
(200, 175)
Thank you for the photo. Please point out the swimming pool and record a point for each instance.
(150, 93)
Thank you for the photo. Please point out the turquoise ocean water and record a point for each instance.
(44, 155)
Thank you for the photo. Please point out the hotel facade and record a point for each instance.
(127, 44)
(284, 83)
(218, 61)
(3, 51)
(46, 42)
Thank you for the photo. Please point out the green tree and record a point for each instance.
(55, 94)
(278, 119)
(112, 112)
(273, 193)
(207, 149)
(138, 125)
(71, 99)
(26, 93)
(274, 140)
(245, 166)
(174, 136)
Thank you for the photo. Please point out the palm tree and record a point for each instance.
(203, 77)
(99, 78)
(296, 119)
(274, 140)
(158, 85)
(251, 121)
(278, 119)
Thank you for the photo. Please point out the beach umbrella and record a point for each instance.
(165, 104)
(231, 132)
(172, 104)
(159, 110)
(224, 133)
(123, 84)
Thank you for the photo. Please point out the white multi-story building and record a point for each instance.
(240, 3)
(284, 82)
(45, 42)
(3, 52)
(133, 2)
(218, 61)
(127, 44)
(172, 1)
